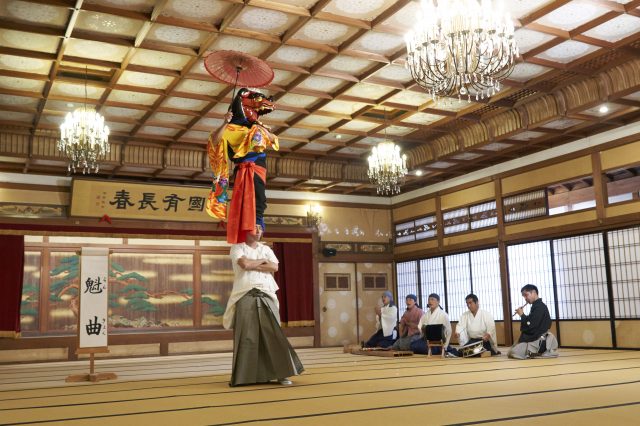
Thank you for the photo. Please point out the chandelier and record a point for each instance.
(387, 168)
(84, 138)
(462, 48)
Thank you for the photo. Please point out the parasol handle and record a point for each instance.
(233, 95)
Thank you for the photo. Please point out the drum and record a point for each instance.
(472, 349)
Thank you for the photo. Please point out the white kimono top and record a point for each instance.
(474, 327)
(387, 319)
(245, 280)
(438, 316)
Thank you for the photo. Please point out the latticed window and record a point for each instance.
(407, 279)
(472, 217)
(337, 282)
(374, 281)
(453, 277)
(525, 206)
(624, 264)
(414, 230)
(455, 221)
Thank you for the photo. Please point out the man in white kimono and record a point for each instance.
(261, 351)
(434, 315)
(386, 319)
(477, 325)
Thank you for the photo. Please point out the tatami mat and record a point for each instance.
(580, 387)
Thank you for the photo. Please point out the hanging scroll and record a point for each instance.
(94, 301)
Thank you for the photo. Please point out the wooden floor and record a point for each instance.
(580, 387)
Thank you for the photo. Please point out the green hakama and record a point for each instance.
(261, 351)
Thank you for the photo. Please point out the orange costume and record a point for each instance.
(243, 142)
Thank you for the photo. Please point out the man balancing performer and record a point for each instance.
(243, 139)
(261, 351)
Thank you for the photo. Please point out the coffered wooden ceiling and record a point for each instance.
(340, 85)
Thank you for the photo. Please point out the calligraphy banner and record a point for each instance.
(125, 200)
(94, 300)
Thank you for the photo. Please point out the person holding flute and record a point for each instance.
(535, 338)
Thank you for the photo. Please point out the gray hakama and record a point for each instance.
(261, 351)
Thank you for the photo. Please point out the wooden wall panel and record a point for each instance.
(628, 334)
(33, 355)
(500, 333)
(554, 173)
(470, 236)
(622, 209)
(586, 333)
(8, 195)
(468, 196)
(409, 248)
(620, 156)
(421, 208)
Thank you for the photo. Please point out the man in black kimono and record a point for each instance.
(535, 338)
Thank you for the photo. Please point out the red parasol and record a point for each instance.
(237, 68)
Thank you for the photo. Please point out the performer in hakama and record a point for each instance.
(408, 330)
(535, 337)
(477, 325)
(243, 140)
(261, 351)
(386, 319)
(433, 316)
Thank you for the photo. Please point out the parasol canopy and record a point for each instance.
(237, 68)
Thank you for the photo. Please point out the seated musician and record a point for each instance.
(477, 325)
(386, 318)
(408, 327)
(535, 338)
(434, 315)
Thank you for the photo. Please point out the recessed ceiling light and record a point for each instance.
(70, 105)
(418, 172)
(603, 109)
(338, 136)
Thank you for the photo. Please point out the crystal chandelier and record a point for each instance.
(462, 48)
(84, 138)
(387, 168)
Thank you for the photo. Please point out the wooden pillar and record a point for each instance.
(598, 186)
(504, 270)
(315, 247)
(439, 223)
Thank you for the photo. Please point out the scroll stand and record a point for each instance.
(92, 376)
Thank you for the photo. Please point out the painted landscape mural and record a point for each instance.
(147, 290)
